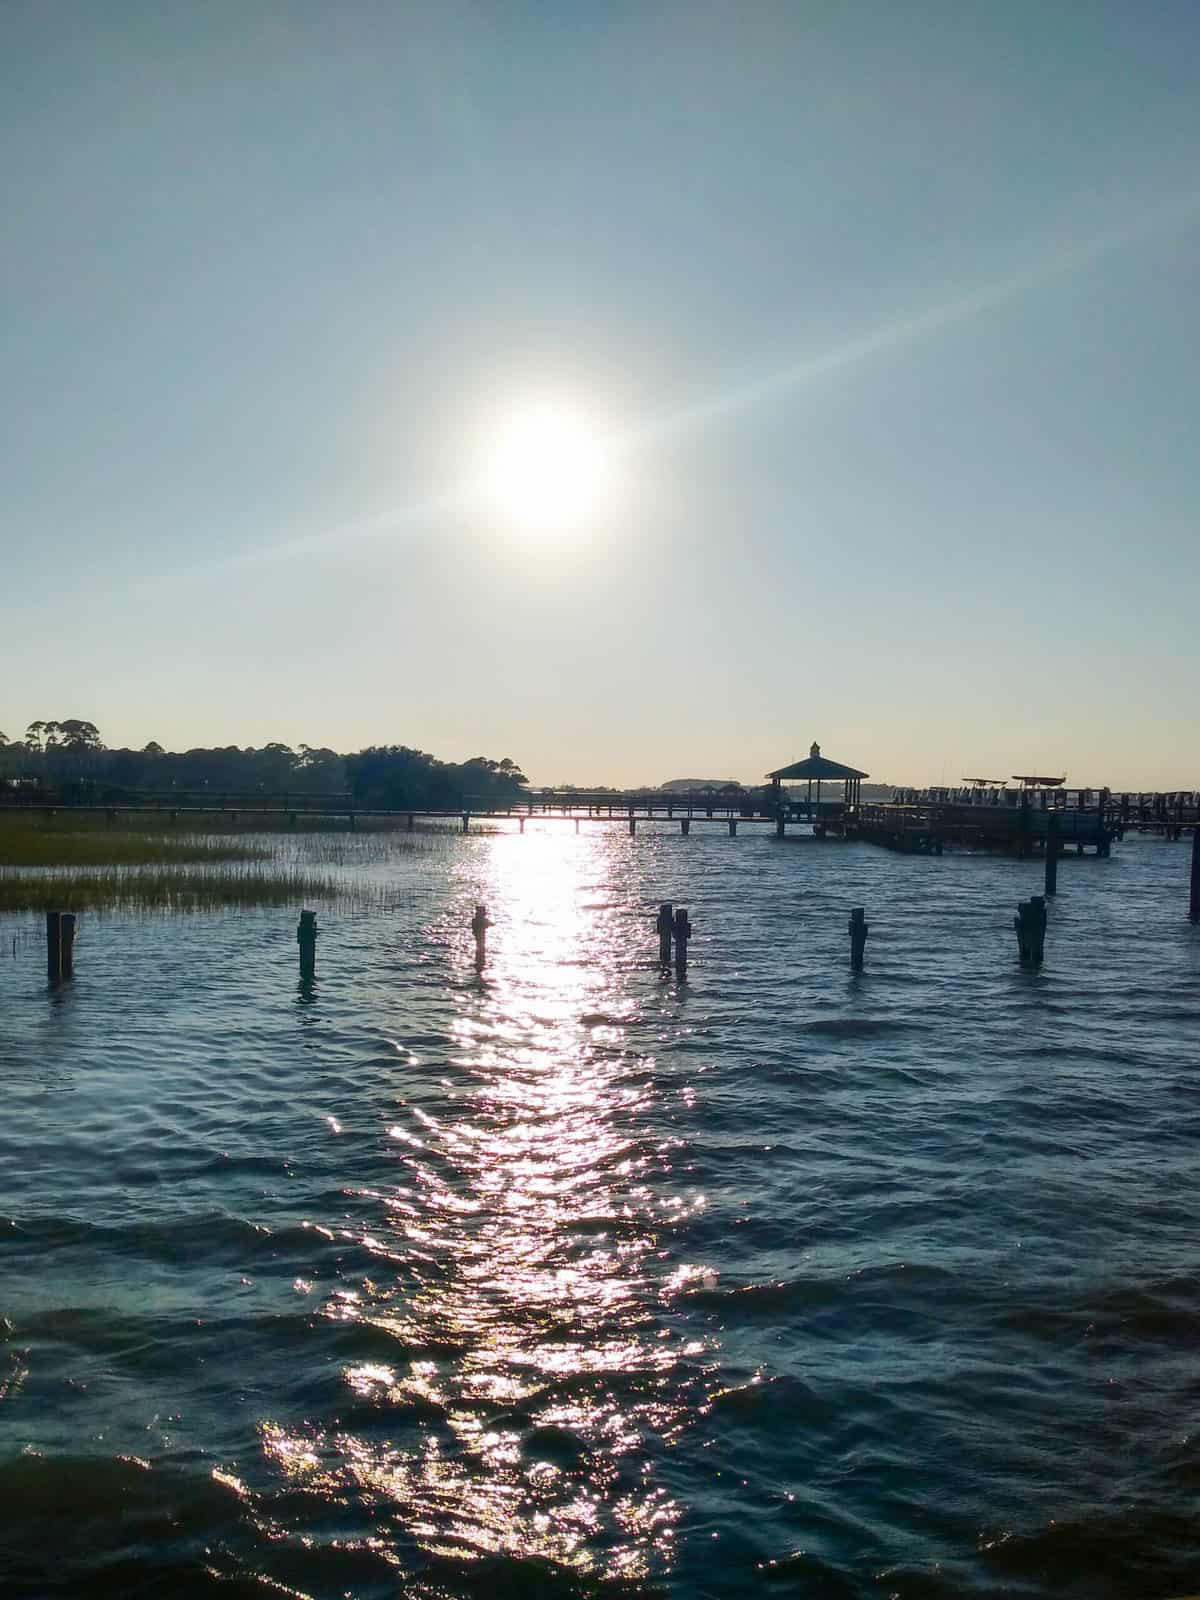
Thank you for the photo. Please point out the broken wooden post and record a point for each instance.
(683, 932)
(480, 923)
(665, 924)
(306, 938)
(858, 937)
(1194, 905)
(60, 945)
(1030, 923)
(1053, 846)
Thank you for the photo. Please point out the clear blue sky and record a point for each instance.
(892, 308)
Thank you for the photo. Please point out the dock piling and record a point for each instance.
(1030, 923)
(1194, 904)
(685, 826)
(733, 827)
(466, 816)
(480, 923)
(1053, 847)
(683, 932)
(60, 945)
(858, 937)
(665, 926)
(306, 938)
(632, 826)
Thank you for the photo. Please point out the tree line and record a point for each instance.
(70, 758)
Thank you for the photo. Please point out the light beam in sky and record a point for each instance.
(1055, 264)
(549, 467)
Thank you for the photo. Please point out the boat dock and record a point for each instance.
(980, 815)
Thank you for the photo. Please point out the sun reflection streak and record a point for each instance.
(527, 1383)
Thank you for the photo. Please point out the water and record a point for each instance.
(572, 1280)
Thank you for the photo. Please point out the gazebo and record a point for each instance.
(819, 767)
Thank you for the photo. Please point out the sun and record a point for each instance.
(546, 469)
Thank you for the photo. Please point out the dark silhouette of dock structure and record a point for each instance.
(980, 815)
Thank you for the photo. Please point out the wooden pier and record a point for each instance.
(974, 818)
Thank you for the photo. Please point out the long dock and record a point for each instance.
(922, 822)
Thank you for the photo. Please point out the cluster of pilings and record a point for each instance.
(673, 927)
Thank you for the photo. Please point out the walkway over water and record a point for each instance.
(1009, 820)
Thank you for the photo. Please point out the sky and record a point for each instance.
(881, 318)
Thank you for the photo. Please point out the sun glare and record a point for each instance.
(546, 469)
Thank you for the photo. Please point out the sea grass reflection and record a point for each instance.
(533, 1381)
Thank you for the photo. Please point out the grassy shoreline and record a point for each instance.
(76, 864)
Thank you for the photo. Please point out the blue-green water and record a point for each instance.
(572, 1279)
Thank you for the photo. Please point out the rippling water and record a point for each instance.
(572, 1279)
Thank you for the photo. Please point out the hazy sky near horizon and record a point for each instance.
(887, 315)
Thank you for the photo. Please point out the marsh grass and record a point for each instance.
(154, 889)
(86, 863)
(63, 842)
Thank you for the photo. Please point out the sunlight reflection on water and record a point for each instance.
(527, 1238)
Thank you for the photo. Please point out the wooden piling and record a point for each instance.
(779, 834)
(1030, 923)
(1053, 847)
(858, 937)
(665, 926)
(576, 824)
(632, 826)
(480, 923)
(306, 938)
(466, 816)
(683, 931)
(60, 945)
(411, 822)
(520, 824)
(733, 827)
(685, 826)
(1194, 905)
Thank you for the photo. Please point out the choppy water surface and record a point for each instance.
(572, 1279)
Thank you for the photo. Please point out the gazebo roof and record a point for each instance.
(817, 766)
